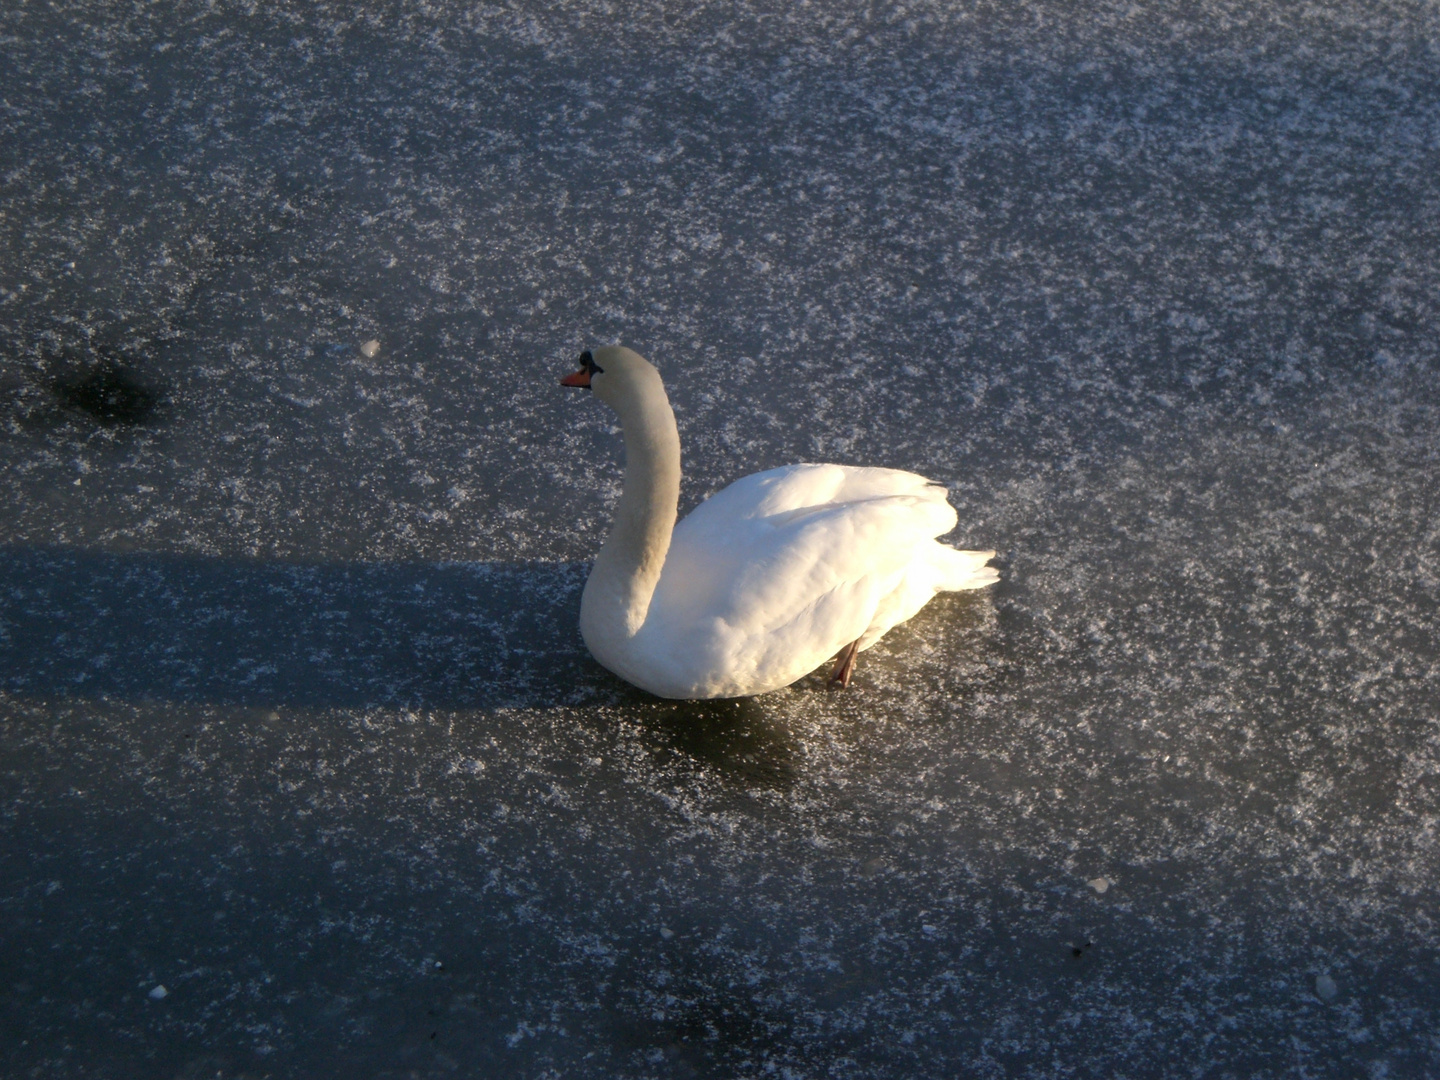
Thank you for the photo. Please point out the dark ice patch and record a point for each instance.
(108, 392)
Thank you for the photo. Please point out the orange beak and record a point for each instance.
(577, 378)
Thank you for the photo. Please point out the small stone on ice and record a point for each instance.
(666, 933)
(160, 993)
(1325, 988)
(370, 349)
(1099, 884)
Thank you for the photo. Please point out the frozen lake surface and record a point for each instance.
(304, 771)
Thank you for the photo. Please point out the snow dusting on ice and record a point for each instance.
(295, 519)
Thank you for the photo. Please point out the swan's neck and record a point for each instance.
(627, 569)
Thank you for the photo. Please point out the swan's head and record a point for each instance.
(617, 375)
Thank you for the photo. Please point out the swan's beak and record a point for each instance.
(577, 378)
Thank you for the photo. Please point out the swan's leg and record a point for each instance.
(845, 663)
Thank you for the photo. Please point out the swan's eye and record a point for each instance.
(587, 363)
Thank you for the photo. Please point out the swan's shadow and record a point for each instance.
(131, 626)
(190, 629)
(736, 737)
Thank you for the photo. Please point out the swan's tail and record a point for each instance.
(964, 569)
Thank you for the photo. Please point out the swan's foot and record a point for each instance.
(845, 663)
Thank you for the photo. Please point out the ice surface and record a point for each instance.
(294, 716)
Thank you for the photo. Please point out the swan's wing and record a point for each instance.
(797, 487)
(777, 572)
(779, 539)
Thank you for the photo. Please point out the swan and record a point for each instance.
(764, 581)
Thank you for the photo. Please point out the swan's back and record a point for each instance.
(802, 487)
(772, 576)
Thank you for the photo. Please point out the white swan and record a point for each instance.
(764, 581)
